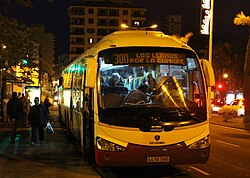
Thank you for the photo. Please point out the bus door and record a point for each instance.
(88, 123)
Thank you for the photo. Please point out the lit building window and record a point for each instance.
(136, 23)
(91, 40)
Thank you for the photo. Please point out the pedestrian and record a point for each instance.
(19, 95)
(5, 115)
(38, 118)
(14, 111)
(26, 107)
(47, 104)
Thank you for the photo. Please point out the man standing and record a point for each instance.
(15, 111)
(38, 117)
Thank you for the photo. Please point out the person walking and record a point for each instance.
(26, 107)
(47, 104)
(5, 115)
(38, 117)
(14, 111)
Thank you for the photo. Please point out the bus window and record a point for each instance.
(184, 72)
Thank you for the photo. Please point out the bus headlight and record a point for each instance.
(107, 145)
(202, 143)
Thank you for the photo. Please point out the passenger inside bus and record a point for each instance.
(150, 81)
(115, 80)
(137, 96)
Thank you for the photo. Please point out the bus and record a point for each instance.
(151, 132)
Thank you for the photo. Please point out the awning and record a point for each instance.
(27, 80)
(23, 80)
(8, 77)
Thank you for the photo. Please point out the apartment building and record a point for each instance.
(172, 24)
(46, 58)
(90, 21)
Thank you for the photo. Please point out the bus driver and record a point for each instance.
(169, 92)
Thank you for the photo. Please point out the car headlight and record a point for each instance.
(202, 143)
(105, 145)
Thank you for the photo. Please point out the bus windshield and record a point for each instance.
(142, 82)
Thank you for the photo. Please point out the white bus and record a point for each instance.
(160, 130)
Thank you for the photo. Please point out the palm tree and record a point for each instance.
(184, 39)
(241, 19)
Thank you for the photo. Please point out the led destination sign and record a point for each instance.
(147, 58)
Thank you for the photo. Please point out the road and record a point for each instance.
(230, 154)
(229, 157)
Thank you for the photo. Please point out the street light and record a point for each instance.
(225, 75)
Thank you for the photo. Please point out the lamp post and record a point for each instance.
(210, 56)
(207, 7)
(206, 28)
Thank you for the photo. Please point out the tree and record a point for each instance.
(241, 19)
(227, 59)
(18, 39)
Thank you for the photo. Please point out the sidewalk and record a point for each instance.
(20, 127)
(234, 122)
(57, 157)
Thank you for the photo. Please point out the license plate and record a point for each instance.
(158, 159)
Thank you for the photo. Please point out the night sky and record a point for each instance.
(54, 16)
(224, 13)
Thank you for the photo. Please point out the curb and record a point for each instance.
(233, 123)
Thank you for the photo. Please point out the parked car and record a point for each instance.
(240, 104)
(216, 105)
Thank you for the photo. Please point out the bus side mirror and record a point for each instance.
(91, 70)
(208, 72)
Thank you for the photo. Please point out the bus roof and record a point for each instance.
(133, 38)
(142, 38)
